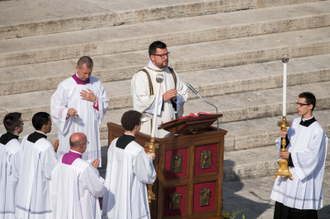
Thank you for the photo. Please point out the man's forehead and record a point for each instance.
(159, 50)
(301, 100)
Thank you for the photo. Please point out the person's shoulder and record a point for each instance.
(142, 71)
(43, 144)
(13, 146)
(81, 164)
(134, 148)
(67, 82)
(168, 69)
(316, 127)
(94, 80)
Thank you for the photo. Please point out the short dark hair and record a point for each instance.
(156, 45)
(130, 119)
(85, 60)
(40, 119)
(309, 97)
(11, 121)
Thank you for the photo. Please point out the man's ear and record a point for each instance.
(310, 106)
(43, 127)
(152, 58)
(77, 68)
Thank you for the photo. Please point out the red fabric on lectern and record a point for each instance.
(168, 155)
(197, 188)
(198, 150)
(167, 192)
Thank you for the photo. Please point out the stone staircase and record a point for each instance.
(230, 51)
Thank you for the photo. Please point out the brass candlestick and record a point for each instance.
(283, 170)
(152, 146)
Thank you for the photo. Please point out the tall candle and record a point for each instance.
(285, 61)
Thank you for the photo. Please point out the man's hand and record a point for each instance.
(284, 154)
(95, 163)
(283, 134)
(71, 112)
(55, 144)
(170, 94)
(89, 96)
(153, 155)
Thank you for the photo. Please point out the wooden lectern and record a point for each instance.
(189, 168)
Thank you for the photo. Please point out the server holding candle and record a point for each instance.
(306, 145)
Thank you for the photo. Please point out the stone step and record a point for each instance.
(102, 41)
(185, 58)
(235, 108)
(40, 18)
(235, 105)
(237, 79)
(253, 163)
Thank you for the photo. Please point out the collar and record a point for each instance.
(75, 152)
(41, 133)
(78, 81)
(153, 67)
(5, 138)
(70, 157)
(307, 122)
(35, 136)
(306, 119)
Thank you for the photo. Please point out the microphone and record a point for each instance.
(216, 108)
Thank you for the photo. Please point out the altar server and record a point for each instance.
(129, 169)
(76, 184)
(37, 160)
(307, 145)
(81, 95)
(9, 155)
(173, 92)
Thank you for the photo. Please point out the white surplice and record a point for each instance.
(308, 148)
(128, 172)
(36, 162)
(74, 190)
(8, 182)
(144, 102)
(68, 96)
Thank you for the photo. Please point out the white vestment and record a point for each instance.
(128, 172)
(144, 102)
(37, 161)
(68, 96)
(74, 190)
(8, 182)
(308, 149)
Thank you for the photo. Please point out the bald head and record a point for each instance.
(78, 142)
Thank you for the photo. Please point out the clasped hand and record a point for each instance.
(170, 94)
(95, 163)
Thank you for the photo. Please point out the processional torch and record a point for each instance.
(283, 170)
(152, 145)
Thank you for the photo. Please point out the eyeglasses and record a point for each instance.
(302, 104)
(162, 55)
(87, 143)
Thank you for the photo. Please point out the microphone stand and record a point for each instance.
(216, 108)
